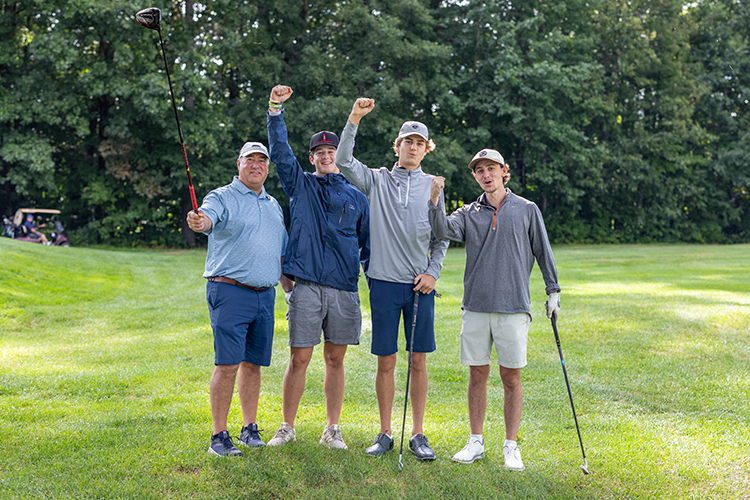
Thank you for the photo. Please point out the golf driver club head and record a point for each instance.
(150, 18)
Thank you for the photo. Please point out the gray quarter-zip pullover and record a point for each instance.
(400, 234)
(501, 246)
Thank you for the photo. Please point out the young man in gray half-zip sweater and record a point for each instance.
(504, 233)
(405, 259)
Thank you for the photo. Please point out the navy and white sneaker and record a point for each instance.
(222, 445)
(250, 436)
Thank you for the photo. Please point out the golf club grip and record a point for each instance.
(190, 178)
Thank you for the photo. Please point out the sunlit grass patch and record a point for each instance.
(104, 385)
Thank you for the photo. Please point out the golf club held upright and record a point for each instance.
(151, 19)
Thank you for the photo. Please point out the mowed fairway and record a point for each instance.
(105, 358)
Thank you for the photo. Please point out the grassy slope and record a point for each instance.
(105, 356)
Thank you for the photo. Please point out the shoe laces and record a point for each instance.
(284, 432)
(334, 433)
(419, 439)
(381, 436)
(228, 441)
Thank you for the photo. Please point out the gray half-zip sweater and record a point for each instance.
(400, 233)
(500, 250)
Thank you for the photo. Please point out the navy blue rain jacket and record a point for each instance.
(330, 230)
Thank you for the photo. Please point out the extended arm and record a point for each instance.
(444, 227)
(354, 170)
(287, 166)
(542, 251)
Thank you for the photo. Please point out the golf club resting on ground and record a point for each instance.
(354, 216)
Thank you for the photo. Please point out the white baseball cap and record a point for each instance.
(487, 154)
(253, 147)
(414, 128)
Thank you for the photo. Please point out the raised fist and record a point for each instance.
(281, 93)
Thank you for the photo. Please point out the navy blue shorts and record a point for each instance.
(242, 321)
(388, 303)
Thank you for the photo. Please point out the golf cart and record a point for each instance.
(15, 228)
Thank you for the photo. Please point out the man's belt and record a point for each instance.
(222, 279)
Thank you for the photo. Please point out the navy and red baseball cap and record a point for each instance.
(324, 138)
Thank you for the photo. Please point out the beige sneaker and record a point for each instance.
(512, 458)
(284, 435)
(332, 438)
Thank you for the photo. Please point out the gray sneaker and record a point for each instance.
(332, 438)
(284, 435)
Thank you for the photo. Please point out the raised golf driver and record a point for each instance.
(504, 233)
(150, 18)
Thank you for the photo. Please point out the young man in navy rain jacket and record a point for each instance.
(329, 237)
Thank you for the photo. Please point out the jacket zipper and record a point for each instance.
(408, 185)
(494, 215)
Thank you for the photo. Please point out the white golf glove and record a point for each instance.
(553, 305)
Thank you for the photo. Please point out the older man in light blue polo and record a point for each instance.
(246, 242)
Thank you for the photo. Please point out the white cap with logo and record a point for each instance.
(253, 147)
(414, 128)
(487, 154)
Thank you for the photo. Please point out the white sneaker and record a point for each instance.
(512, 457)
(474, 450)
(284, 435)
(332, 438)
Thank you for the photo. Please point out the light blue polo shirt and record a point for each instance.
(248, 236)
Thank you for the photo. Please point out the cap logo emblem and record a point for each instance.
(415, 126)
(483, 153)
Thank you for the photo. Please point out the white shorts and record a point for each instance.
(509, 332)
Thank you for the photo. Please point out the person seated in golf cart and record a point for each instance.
(30, 231)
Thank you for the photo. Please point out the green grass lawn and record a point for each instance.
(105, 358)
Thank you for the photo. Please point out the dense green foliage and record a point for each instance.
(625, 121)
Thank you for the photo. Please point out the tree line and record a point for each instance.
(625, 121)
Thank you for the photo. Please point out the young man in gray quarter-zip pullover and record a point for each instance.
(504, 233)
(405, 258)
